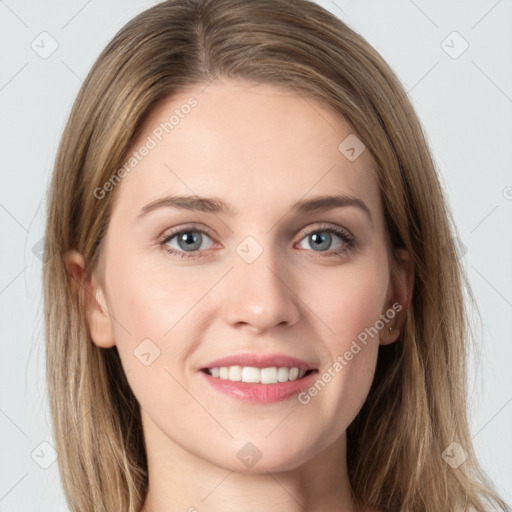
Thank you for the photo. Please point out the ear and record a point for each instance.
(399, 296)
(98, 316)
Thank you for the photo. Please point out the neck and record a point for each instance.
(181, 481)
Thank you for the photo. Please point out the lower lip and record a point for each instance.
(260, 393)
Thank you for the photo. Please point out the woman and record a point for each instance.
(258, 302)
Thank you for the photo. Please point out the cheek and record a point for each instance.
(159, 331)
(349, 307)
(158, 317)
(349, 300)
(151, 299)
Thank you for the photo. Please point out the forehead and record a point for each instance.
(259, 144)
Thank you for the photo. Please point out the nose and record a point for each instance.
(259, 295)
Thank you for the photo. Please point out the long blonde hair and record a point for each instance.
(417, 404)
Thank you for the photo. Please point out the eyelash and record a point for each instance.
(347, 239)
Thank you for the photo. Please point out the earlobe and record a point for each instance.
(97, 312)
(399, 297)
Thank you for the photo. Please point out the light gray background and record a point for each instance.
(465, 104)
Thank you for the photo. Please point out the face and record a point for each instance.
(276, 260)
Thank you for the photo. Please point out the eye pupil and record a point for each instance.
(192, 241)
(321, 241)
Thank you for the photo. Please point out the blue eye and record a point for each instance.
(321, 238)
(189, 242)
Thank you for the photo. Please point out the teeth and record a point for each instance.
(269, 375)
(235, 373)
(249, 374)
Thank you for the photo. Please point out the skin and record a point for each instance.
(260, 148)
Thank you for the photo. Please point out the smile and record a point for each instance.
(250, 374)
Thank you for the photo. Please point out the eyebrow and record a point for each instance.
(216, 205)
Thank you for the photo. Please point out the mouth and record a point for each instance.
(259, 368)
(254, 375)
(259, 378)
(260, 385)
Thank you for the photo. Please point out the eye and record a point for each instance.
(190, 241)
(321, 239)
(186, 240)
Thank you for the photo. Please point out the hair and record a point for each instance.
(416, 406)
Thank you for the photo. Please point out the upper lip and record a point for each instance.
(260, 361)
